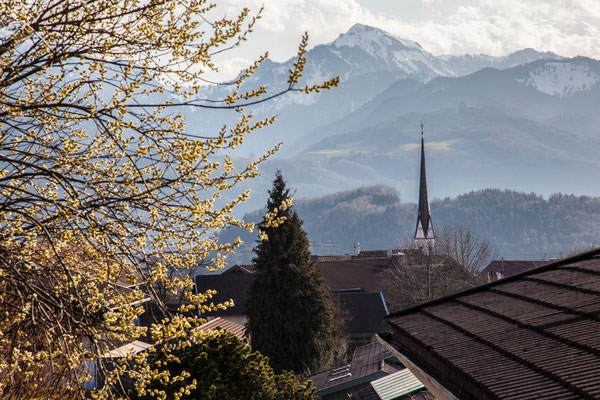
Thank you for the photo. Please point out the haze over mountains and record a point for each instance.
(368, 60)
(527, 121)
(518, 225)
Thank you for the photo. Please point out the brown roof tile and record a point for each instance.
(362, 273)
(504, 268)
(530, 336)
(229, 326)
(367, 361)
(365, 393)
(228, 286)
(362, 312)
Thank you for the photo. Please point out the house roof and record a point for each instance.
(368, 363)
(364, 393)
(128, 348)
(362, 273)
(369, 393)
(241, 269)
(511, 267)
(363, 312)
(530, 336)
(228, 286)
(397, 384)
(229, 326)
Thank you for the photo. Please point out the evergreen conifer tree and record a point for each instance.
(290, 315)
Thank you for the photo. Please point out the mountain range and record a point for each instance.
(367, 59)
(527, 121)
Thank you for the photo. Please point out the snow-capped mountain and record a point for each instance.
(375, 50)
(526, 121)
(466, 64)
(533, 127)
(562, 79)
(367, 59)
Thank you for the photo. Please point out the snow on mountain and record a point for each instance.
(466, 64)
(374, 41)
(368, 60)
(391, 53)
(562, 79)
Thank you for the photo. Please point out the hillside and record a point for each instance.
(367, 59)
(526, 121)
(519, 225)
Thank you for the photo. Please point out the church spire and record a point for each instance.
(424, 235)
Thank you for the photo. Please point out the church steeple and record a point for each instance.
(424, 234)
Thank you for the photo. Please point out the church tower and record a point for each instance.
(424, 236)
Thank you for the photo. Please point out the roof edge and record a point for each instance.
(439, 390)
(569, 260)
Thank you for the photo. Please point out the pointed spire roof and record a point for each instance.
(424, 214)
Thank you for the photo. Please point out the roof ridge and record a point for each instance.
(569, 260)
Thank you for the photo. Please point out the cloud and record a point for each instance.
(232, 66)
(450, 27)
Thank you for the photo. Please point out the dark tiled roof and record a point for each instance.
(231, 327)
(534, 335)
(365, 393)
(363, 312)
(509, 267)
(369, 393)
(241, 268)
(367, 310)
(423, 395)
(228, 286)
(362, 273)
(368, 361)
(154, 313)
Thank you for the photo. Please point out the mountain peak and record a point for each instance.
(369, 39)
(528, 55)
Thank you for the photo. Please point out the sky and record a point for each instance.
(493, 27)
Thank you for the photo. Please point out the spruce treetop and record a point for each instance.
(290, 315)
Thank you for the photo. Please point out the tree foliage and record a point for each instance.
(465, 247)
(519, 225)
(221, 367)
(290, 315)
(458, 257)
(102, 185)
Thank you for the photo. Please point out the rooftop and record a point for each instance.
(530, 336)
(228, 286)
(362, 273)
(128, 348)
(229, 326)
(498, 269)
(368, 363)
(395, 385)
(363, 312)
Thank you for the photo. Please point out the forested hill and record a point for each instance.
(519, 225)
